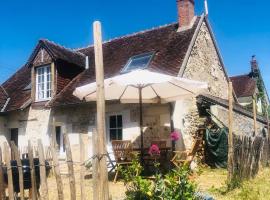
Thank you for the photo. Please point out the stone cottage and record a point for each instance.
(37, 101)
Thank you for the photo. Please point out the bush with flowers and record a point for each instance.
(174, 185)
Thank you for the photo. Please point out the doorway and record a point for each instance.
(59, 139)
(14, 136)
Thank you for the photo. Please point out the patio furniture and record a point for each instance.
(159, 143)
(185, 157)
(122, 150)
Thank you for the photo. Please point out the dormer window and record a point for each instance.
(138, 62)
(43, 83)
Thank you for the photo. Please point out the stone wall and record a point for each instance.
(32, 124)
(204, 65)
(80, 120)
(241, 124)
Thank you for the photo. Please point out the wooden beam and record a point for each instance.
(230, 136)
(104, 187)
(82, 172)
(54, 82)
(42, 171)
(72, 183)
(267, 117)
(20, 170)
(95, 166)
(2, 187)
(9, 171)
(57, 174)
(33, 171)
(33, 83)
(254, 115)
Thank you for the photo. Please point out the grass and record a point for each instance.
(210, 181)
(213, 182)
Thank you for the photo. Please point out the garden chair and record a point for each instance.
(122, 150)
(186, 157)
(159, 143)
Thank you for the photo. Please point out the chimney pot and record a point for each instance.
(186, 12)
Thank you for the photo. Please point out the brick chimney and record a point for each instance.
(185, 12)
(254, 66)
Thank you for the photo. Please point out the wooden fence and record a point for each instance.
(12, 153)
(247, 155)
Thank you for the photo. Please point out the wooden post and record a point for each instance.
(104, 187)
(42, 171)
(254, 114)
(230, 136)
(9, 172)
(95, 167)
(19, 164)
(82, 172)
(267, 117)
(33, 171)
(59, 182)
(2, 188)
(70, 168)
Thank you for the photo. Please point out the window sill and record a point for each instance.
(42, 103)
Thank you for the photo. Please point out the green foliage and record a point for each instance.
(173, 186)
(236, 182)
(247, 192)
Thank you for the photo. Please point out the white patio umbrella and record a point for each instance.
(143, 86)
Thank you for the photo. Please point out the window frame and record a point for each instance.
(116, 128)
(151, 54)
(45, 82)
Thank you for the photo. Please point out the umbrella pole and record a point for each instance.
(141, 123)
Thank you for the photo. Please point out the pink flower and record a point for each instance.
(175, 136)
(154, 150)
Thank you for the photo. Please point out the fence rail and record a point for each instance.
(13, 172)
(249, 153)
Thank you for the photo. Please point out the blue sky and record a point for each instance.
(241, 27)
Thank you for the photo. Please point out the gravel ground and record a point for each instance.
(117, 190)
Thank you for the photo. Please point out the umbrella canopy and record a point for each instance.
(155, 87)
(143, 86)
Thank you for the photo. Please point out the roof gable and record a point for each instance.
(55, 51)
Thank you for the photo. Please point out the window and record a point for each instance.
(115, 127)
(43, 83)
(138, 62)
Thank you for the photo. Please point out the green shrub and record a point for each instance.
(173, 186)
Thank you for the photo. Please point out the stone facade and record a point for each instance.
(204, 65)
(242, 125)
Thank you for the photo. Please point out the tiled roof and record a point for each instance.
(169, 46)
(59, 52)
(3, 97)
(243, 85)
(225, 103)
(14, 87)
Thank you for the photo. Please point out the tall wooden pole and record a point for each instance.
(141, 123)
(104, 187)
(254, 115)
(230, 136)
(267, 117)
